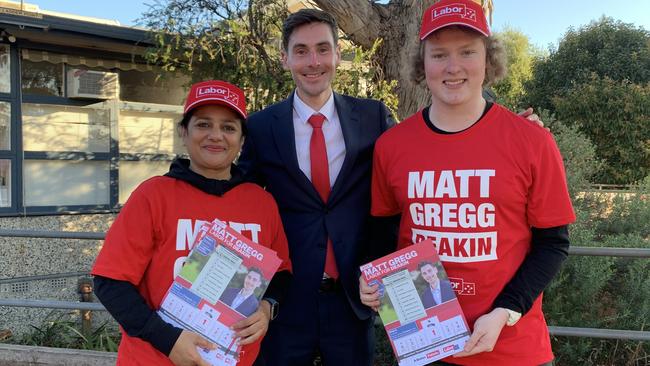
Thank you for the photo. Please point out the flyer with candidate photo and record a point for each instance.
(221, 282)
(418, 306)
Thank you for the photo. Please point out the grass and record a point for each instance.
(61, 333)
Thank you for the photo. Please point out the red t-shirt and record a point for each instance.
(150, 240)
(476, 194)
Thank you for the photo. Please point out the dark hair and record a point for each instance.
(307, 16)
(426, 263)
(185, 121)
(495, 63)
(257, 270)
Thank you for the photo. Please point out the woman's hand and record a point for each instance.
(369, 294)
(532, 117)
(486, 332)
(184, 352)
(255, 326)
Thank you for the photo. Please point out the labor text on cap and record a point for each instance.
(223, 92)
(454, 9)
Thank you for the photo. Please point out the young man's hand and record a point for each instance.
(369, 294)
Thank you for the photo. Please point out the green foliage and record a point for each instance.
(60, 333)
(604, 292)
(606, 47)
(632, 216)
(222, 40)
(578, 153)
(239, 41)
(510, 90)
(615, 115)
(599, 79)
(363, 77)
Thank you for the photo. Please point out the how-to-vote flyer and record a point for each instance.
(419, 309)
(221, 282)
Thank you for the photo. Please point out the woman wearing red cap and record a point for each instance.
(487, 189)
(148, 242)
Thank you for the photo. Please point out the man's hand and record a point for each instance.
(531, 116)
(486, 332)
(255, 326)
(184, 352)
(369, 294)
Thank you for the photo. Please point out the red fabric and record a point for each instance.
(320, 178)
(476, 194)
(216, 92)
(151, 237)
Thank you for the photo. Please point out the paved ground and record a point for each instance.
(16, 355)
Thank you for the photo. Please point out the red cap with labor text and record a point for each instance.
(216, 92)
(454, 12)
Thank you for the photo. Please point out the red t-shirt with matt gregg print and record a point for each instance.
(476, 194)
(151, 238)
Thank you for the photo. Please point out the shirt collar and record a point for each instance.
(304, 111)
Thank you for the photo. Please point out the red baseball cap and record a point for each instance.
(216, 92)
(454, 12)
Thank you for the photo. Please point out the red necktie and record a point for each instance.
(320, 178)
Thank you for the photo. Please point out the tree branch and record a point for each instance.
(359, 20)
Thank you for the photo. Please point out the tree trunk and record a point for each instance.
(398, 24)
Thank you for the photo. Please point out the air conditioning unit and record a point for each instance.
(82, 83)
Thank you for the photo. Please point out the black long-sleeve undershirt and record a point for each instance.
(549, 249)
(128, 307)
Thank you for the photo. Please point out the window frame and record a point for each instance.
(15, 146)
(17, 156)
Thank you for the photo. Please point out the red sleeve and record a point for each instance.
(130, 241)
(549, 203)
(383, 201)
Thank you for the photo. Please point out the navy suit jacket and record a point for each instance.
(446, 294)
(269, 158)
(247, 307)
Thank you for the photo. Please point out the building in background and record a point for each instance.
(83, 117)
(83, 120)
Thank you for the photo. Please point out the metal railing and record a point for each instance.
(553, 330)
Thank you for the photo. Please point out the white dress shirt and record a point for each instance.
(331, 130)
(437, 294)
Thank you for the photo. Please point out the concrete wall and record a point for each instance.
(24, 257)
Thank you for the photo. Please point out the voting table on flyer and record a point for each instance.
(213, 289)
(418, 306)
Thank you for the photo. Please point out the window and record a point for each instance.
(148, 142)
(57, 128)
(5, 67)
(5, 183)
(66, 183)
(42, 78)
(132, 173)
(76, 154)
(5, 126)
(149, 133)
(151, 87)
(67, 160)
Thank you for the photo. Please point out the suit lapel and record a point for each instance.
(285, 139)
(350, 126)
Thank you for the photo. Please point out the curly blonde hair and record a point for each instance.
(495, 63)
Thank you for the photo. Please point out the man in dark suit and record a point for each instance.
(437, 291)
(313, 153)
(243, 299)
